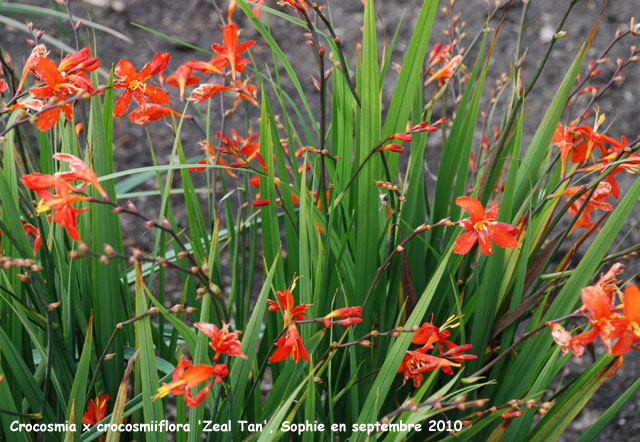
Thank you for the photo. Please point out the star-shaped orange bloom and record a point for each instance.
(56, 86)
(230, 53)
(150, 112)
(604, 319)
(184, 379)
(61, 203)
(417, 362)
(484, 228)
(285, 304)
(135, 86)
(222, 340)
(290, 344)
(598, 200)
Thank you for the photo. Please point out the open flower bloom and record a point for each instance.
(578, 142)
(222, 340)
(59, 82)
(428, 334)
(96, 410)
(57, 87)
(230, 53)
(598, 200)
(150, 112)
(182, 78)
(290, 344)
(604, 317)
(135, 86)
(416, 363)
(285, 304)
(483, 227)
(61, 203)
(345, 312)
(206, 91)
(184, 379)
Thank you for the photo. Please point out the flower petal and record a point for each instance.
(465, 242)
(473, 206)
(632, 303)
(503, 234)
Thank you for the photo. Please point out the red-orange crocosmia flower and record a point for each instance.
(80, 171)
(150, 112)
(230, 53)
(445, 72)
(602, 317)
(56, 86)
(290, 344)
(417, 362)
(483, 227)
(184, 379)
(206, 91)
(62, 203)
(222, 340)
(344, 312)
(135, 86)
(598, 200)
(630, 323)
(428, 334)
(285, 304)
(182, 78)
(96, 410)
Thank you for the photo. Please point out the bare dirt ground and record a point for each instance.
(198, 23)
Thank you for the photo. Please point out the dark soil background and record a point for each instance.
(197, 22)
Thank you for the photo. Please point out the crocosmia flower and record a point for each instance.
(230, 53)
(61, 202)
(222, 340)
(483, 228)
(135, 86)
(285, 304)
(598, 200)
(96, 410)
(184, 379)
(290, 345)
(150, 112)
